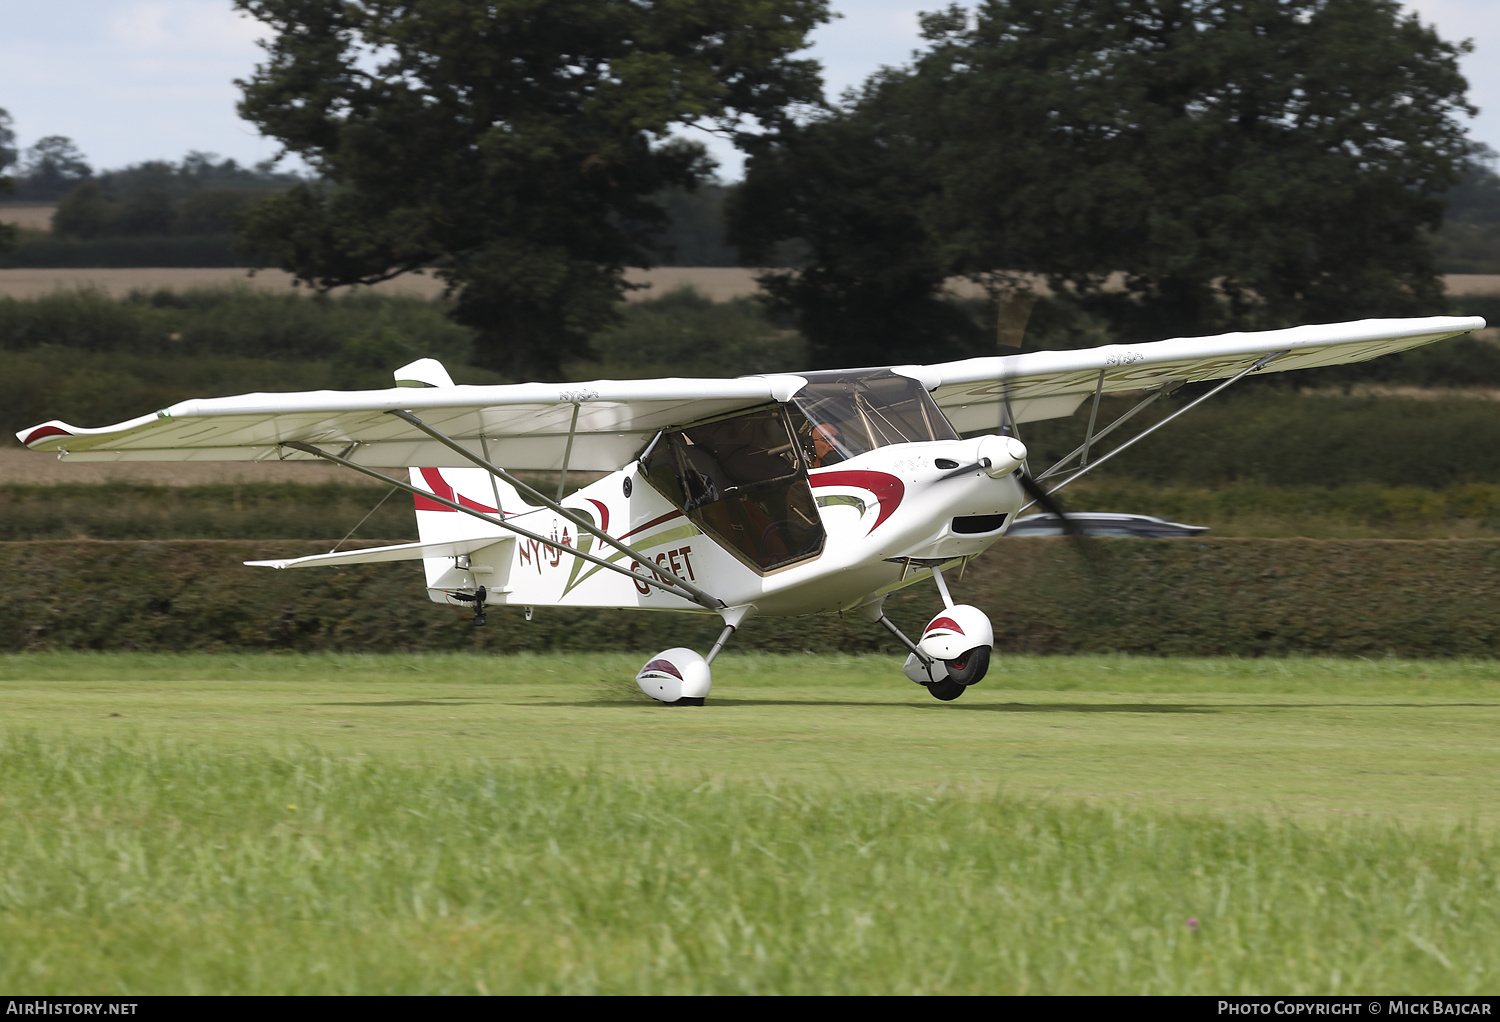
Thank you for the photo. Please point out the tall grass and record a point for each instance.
(683, 333)
(128, 866)
(221, 320)
(93, 360)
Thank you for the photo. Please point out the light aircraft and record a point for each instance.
(771, 495)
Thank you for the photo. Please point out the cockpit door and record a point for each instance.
(742, 480)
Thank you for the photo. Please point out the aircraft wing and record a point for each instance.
(524, 426)
(1052, 384)
(528, 426)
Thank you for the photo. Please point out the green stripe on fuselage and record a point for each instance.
(670, 536)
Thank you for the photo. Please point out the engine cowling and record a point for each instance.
(677, 677)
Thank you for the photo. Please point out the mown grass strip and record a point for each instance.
(135, 866)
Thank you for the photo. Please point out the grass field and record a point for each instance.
(268, 824)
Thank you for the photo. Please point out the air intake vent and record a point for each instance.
(976, 525)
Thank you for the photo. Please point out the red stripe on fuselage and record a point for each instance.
(603, 515)
(888, 490)
(652, 524)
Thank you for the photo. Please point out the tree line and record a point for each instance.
(1160, 167)
(1243, 163)
(198, 196)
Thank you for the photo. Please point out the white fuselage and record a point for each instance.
(878, 510)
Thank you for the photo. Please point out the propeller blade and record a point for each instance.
(1013, 317)
(1037, 492)
(1010, 322)
(1079, 539)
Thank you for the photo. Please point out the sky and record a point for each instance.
(135, 80)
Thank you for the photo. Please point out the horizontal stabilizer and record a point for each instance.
(375, 555)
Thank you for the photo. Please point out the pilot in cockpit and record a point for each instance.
(824, 452)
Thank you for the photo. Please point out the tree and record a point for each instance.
(52, 167)
(199, 196)
(1476, 198)
(8, 153)
(8, 232)
(851, 189)
(512, 146)
(1469, 241)
(1243, 162)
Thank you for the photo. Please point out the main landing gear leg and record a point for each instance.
(719, 643)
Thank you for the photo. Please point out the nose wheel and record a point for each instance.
(969, 666)
(954, 651)
(947, 690)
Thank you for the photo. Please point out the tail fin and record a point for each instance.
(468, 487)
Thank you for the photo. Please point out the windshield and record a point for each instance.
(847, 414)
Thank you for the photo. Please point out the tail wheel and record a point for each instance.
(945, 690)
(970, 667)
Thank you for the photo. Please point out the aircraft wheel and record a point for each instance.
(947, 690)
(970, 667)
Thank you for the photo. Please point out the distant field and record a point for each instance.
(268, 824)
(29, 468)
(718, 283)
(31, 218)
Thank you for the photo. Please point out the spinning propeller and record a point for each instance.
(1010, 338)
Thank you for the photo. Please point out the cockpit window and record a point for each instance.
(847, 414)
(742, 480)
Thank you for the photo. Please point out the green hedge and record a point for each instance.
(1243, 597)
(259, 511)
(1287, 439)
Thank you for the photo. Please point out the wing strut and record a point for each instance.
(699, 596)
(1090, 438)
(1260, 363)
(696, 595)
(562, 479)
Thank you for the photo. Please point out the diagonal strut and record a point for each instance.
(582, 523)
(697, 597)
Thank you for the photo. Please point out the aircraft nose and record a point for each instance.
(1005, 454)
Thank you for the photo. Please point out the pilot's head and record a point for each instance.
(823, 437)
